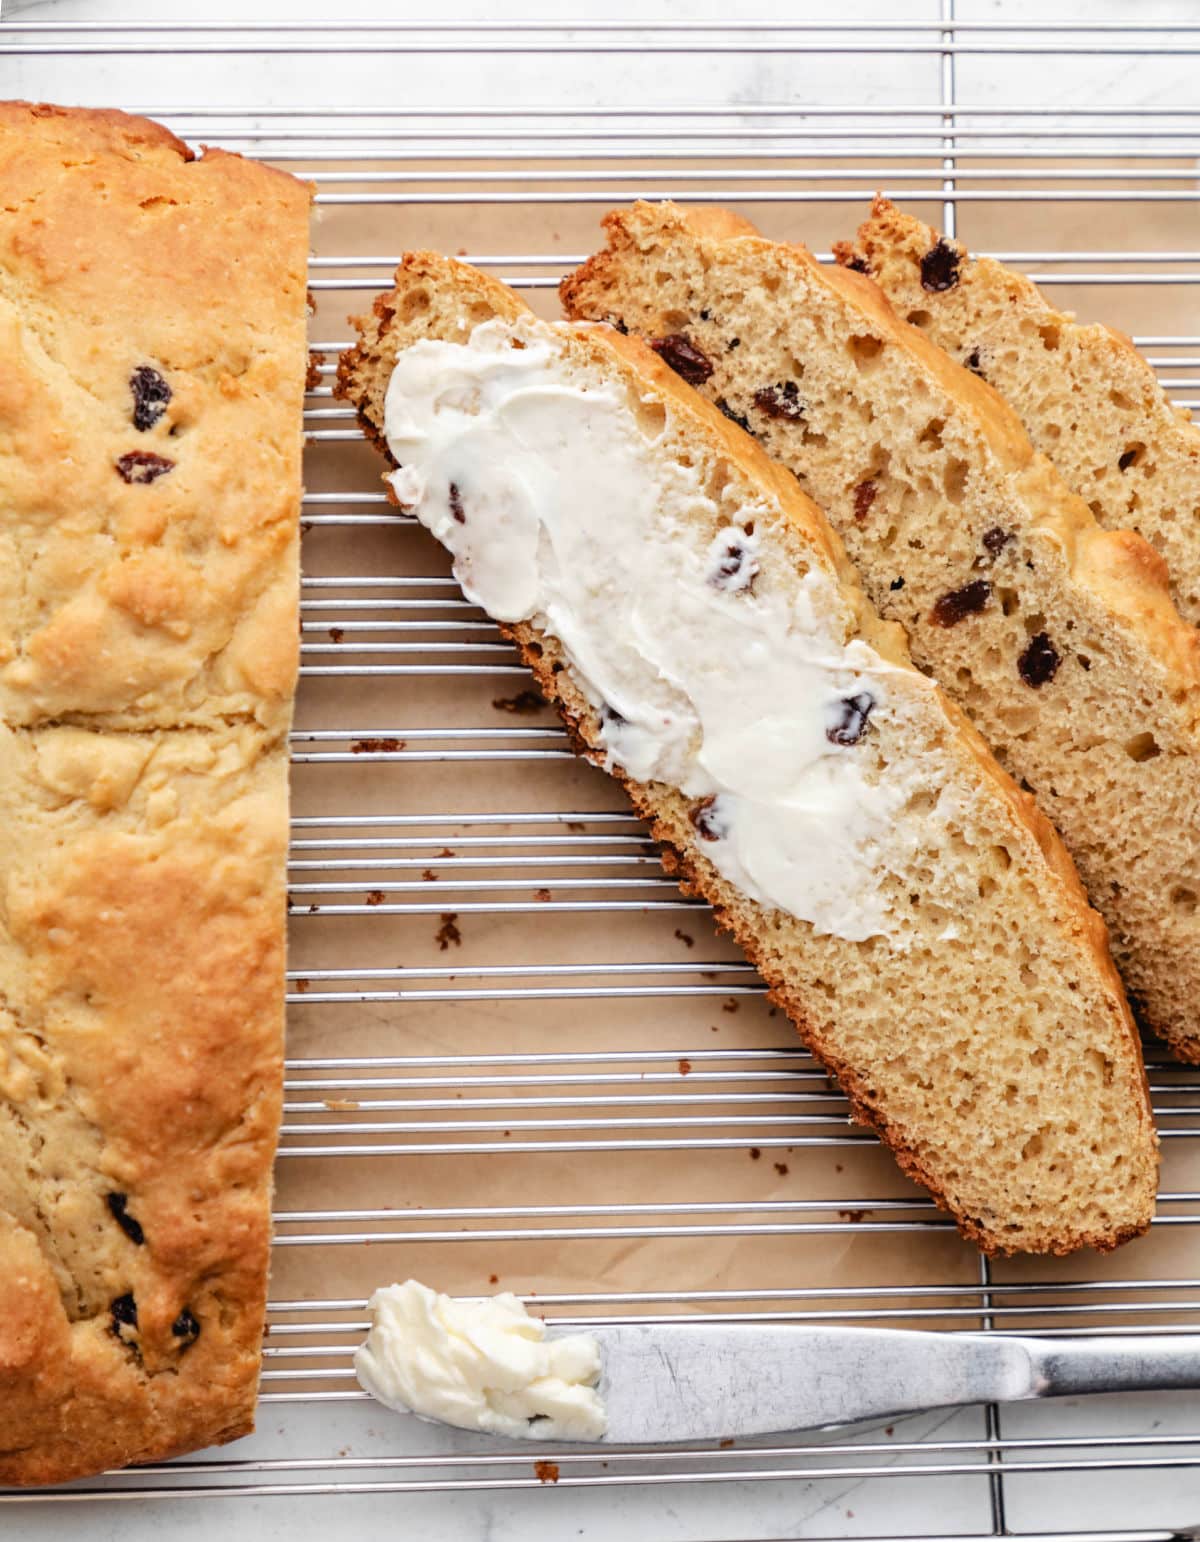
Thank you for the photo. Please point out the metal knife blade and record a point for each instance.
(681, 1381)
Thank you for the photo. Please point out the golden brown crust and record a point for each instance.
(148, 650)
(362, 377)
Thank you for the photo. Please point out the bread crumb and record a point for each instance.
(782, 1169)
(448, 932)
(302, 985)
(493, 1279)
(429, 875)
(853, 1215)
(725, 1445)
(336, 634)
(445, 852)
(547, 1472)
(688, 942)
(375, 897)
(685, 1067)
(729, 1006)
(341, 1105)
(541, 895)
(522, 703)
(755, 1153)
(376, 746)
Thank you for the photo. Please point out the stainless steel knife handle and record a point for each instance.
(1155, 1363)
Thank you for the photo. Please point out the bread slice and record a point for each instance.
(152, 310)
(1058, 638)
(1086, 397)
(694, 618)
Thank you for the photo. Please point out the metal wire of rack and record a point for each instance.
(472, 812)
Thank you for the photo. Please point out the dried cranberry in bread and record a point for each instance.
(1058, 638)
(640, 550)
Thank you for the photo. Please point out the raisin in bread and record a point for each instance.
(694, 618)
(152, 309)
(1086, 397)
(1057, 637)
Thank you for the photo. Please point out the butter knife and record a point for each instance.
(682, 1381)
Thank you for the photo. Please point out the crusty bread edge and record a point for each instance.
(541, 654)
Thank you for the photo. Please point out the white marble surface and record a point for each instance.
(798, 1507)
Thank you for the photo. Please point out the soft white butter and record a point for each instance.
(714, 671)
(480, 1365)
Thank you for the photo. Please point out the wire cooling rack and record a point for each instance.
(517, 1058)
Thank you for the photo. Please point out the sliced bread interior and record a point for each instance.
(1086, 397)
(1057, 637)
(694, 619)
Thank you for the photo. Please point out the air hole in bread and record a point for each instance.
(1142, 747)
(918, 318)
(954, 478)
(651, 416)
(1131, 455)
(865, 350)
(931, 434)
(1119, 399)
(1184, 900)
(414, 303)
(1051, 335)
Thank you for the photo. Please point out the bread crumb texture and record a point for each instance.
(152, 309)
(1057, 637)
(989, 1041)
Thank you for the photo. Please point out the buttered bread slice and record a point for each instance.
(1086, 397)
(695, 620)
(1058, 638)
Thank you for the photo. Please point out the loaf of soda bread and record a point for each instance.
(1058, 638)
(695, 620)
(152, 309)
(1086, 397)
